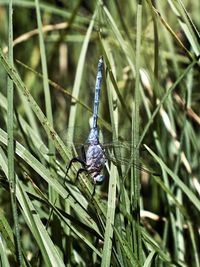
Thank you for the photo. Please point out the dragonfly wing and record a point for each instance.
(147, 167)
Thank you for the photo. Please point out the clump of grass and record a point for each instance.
(149, 97)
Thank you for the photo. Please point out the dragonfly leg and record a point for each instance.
(93, 193)
(79, 172)
(83, 153)
(70, 164)
(75, 160)
(85, 170)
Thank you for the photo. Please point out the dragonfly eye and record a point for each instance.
(99, 179)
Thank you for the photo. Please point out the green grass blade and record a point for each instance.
(149, 259)
(128, 51)
(3, 255)
(47, 248)
(5, 229)
(164, 98)
(45, 73)
(52, 194)
(127, 251)
(108, 236)
(45, 174)
(64, 152)
(135, 185)
(11, 173)
(177, 180)
(187, 25)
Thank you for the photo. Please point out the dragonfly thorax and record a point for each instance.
(93, 137)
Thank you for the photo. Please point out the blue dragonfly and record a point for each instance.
(94, 158)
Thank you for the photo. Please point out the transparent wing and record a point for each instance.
(119, 151)
(123, 155)
(79, 135)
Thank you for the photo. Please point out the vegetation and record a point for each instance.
(149, 108)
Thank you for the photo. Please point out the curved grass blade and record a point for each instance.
(177, 180)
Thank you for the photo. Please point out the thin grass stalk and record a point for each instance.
(180, 252)
(170, 30)
(6, 232)
(5, 228)
(110, 217)
(45, 78)
(179, 225)
(127, 49)
(135, 186)
(186, 25)
(165, 236)
(11, 171)
(156, 46)
(194, 245)
(114, 83)
(167, 37)
(52, 194)
(29, 113)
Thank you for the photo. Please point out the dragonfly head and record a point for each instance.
(98, 179)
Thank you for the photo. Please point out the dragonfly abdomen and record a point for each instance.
(97, 92)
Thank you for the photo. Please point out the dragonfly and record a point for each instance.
(95, 157)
